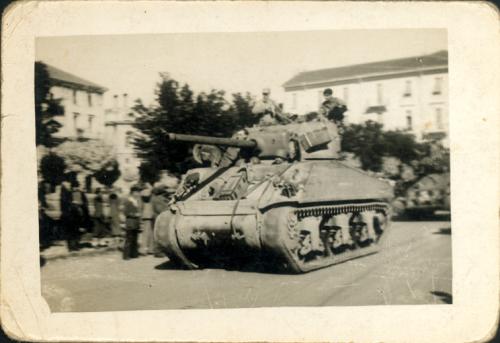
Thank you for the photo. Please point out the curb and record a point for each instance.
(93, 252)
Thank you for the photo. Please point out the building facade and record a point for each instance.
(83, 103)
(119, 132)
(85, 117)
(409, 94)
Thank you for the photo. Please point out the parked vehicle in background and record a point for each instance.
(428, 195)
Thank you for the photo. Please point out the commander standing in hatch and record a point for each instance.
(268, 110)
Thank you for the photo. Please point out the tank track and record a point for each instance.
(339, 209)
(306, 247)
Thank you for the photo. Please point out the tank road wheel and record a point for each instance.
(358, 230)
(380, 224)
(302, 241)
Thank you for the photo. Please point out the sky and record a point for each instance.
(234, 62)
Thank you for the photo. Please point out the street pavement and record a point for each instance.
(414, 267)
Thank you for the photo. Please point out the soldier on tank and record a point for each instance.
(333, 108)
(268, 110)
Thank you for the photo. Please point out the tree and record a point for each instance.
(89, 156)
(366, 141)
(52, 168)
(46, 108)
(402, 146)
(108, 173)
(372, 145)
(179, 110)
(149, 173)
(242, 107)
(434, 159)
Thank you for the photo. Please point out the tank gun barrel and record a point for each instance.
(212, 140)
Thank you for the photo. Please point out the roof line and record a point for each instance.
(58, 75)
(361, 76)
(395, 66)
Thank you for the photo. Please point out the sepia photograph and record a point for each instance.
(234, 170)
(258, 171)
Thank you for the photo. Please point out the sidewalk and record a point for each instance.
(88, 247)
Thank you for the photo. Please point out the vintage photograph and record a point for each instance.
(243, 169)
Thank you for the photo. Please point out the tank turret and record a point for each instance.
(295, 142)
(276, 193)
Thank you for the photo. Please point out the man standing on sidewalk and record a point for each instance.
(147, 218)
(74, 212)
(100, 227)
(131, 210)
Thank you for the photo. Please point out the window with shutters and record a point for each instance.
(438, 85)
(409, 120)
(408, 89)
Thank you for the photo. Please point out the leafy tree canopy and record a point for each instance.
(108, 173)
(149, 173)
(52, 168)
(46, 108)
(375, 147)
(89, 156)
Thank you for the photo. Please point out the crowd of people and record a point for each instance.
(115, 217)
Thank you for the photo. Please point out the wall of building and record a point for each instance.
(118, 133)
(413, 103)
(83, 113)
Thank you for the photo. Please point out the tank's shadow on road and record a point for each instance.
(168, 265)
(251, 267)
(248, 267)
(443, 296)
(443, 231)
(420, 218)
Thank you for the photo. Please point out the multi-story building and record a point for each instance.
(85, 117)
(408, 94)
(83, 105)
(119, 133)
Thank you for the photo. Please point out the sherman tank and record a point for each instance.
(275, 193)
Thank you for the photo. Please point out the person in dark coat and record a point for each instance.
(114, 214)
(45, 233)
(132, 213)
(74, 212)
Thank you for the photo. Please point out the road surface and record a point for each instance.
(413, 268)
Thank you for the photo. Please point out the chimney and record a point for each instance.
(125, 105)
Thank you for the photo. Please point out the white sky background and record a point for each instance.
(234, 62)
